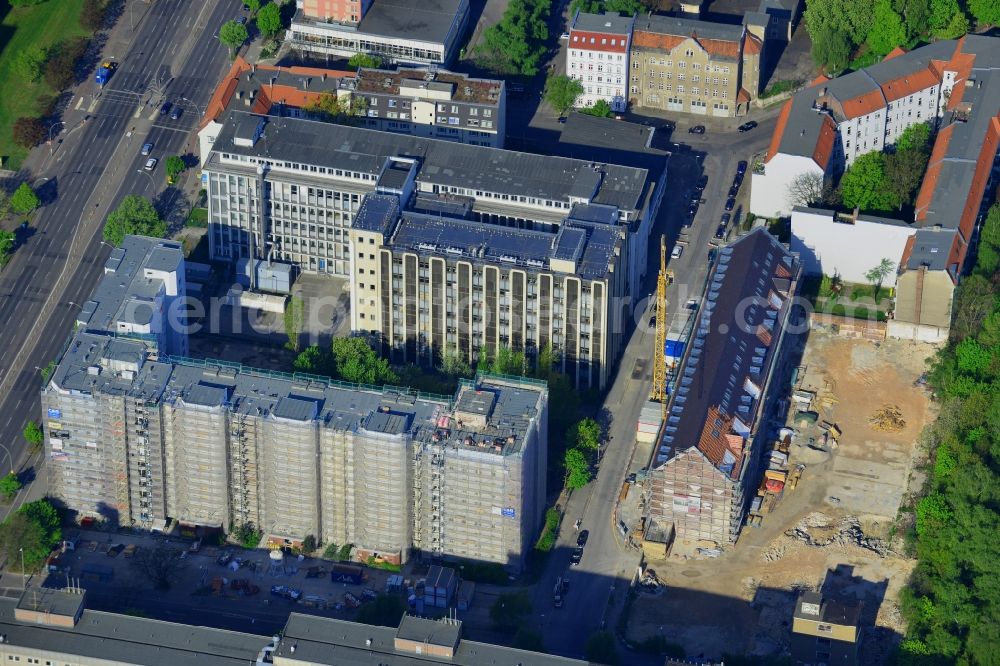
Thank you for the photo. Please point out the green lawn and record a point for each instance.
(44, 25)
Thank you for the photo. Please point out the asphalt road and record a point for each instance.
(172, 56)
(598, 585)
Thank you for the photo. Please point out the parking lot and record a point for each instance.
(202, 591)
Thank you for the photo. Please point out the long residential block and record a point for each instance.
(139, 437)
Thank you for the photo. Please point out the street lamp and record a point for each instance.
(24, 578)
(194, 104)
(10, 458)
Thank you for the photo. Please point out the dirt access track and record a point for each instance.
(848, 499)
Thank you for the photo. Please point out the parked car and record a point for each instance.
(730, 203)
(575, 558)
(720, 231)
(224, 559)
(702, 182)
(668, 125)
(697, 129)
(564, 36)
(692, 210)
(147, 148)
(676, 252)
(165, 109)
(692, 304)
(176, 113)
(150, 164)
(725, 219)
(747, 126)
(114, 550)
(741, 167)
(734, 190)
(581, 540)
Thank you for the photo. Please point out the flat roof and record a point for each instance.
(440, 162)
(328, 641)
(133, 640)
(611, 23)
(685, 27)
(427, 20)
(124, 293)
(463, 88)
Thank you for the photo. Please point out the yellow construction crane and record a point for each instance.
(659, 389)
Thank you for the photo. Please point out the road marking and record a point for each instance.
(93, 105)
(79, 103)
(172, 129)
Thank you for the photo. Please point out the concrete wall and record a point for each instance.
(829, 246)
(769, 190)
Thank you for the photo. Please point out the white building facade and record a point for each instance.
(597, 57)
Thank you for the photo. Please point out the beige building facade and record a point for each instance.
(696, 67)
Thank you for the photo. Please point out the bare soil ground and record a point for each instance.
(836, 531)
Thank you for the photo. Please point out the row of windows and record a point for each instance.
(724, 94)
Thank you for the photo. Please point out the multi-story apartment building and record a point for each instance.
(424, 102)
(709, 460)
(397, 31)
(694, 66)
(289, 189)
(139, 436)
(434, 282)
(597, 56)
(953, 85)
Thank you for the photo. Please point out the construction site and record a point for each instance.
(826, 515)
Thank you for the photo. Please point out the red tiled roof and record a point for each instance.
(899, 88)
(825, 142)
(715, 439)
(822, 78)
(938, 152)
(224, 91)
(962, 64)
(719, 47)
(742, 96)
(898, 51)
(655, 40)
(779, 130)
(752, 45)
(584, 41)
(863, 104)
(911, 240)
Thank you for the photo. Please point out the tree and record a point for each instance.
(516, 44)
(28, 132)
(915, 137)
(247, 535)
(34, 529)
(600, 108)
(600, 648)
(806, 189)
(561, 92)
(344, 554)
(159, 564)
(915, 14)
(385, 610)
(904, 171)
(309, 543)
(585, 435)
(887, 31)
(366, 60)
(453, 364)
(64, 59)
(253, 6)
(135, 215)
(831, 50)
(627, 7)
(24, 200)
(986, 12)
(863, 185)
(175, 165)
(331, 552)
(957, 26)
(510, 610)
(233, 34)
(29, 63)
(34, 435)
(356, 362)
(7, 242)
(92, 15)
(10, 485)
(877, 274)
(269, 20)
(344, 111)
(577, 469)
(945, 17)
(294, 320)
(25, 3)
(314, 360)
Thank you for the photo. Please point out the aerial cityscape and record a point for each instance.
(510, 332)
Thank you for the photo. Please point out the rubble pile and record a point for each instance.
(816, 529)
(888, 418)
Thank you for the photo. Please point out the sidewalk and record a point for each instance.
(119, 41)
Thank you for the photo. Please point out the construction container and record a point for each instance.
(440, 583)
(347, 573)
(466, 592)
